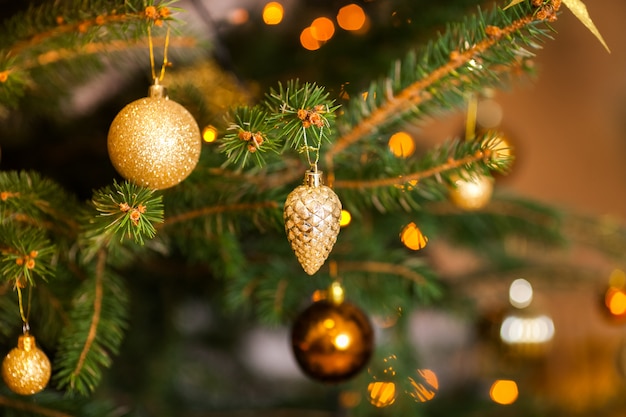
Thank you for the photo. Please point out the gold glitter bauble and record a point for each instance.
(154, 142)
(332, 342)
(312, 214)
(471, 193)
(26, 369)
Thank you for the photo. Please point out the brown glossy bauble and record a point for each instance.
(332, 342)
(26, 369)
(154, 142)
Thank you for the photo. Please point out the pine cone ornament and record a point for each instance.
(312, 213)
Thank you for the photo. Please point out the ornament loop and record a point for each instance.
(313, 178)
(157, 90)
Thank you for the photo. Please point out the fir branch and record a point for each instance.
(26, 197)
(25, 252)
(246, 137)
(227, 208)
(472, 58)
(67, 32)
(29, 407)
(97, 48)
(295, 116)
(99, 316)
(126, 210)
(382, 268)
(415, 177)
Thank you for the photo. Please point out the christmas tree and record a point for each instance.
(243, 214)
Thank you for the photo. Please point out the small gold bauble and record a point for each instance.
(154, 142)
(312, 217)
(471, 193)
(332, 342)
(26, 369)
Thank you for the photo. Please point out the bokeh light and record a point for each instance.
(209, 134)
(351, 17)
(345, 219)
(520, 293)
(382, 393)
(412, 237)
(527, 330)
(273, 13)
(402, 145)
(425, 387)
(322, 29)
(308, 41)
(504, 391)
(615, 300)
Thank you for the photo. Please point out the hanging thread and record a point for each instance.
(24, 316)
(165, 61)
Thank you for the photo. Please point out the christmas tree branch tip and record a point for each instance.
(127, 210)
(296, 116)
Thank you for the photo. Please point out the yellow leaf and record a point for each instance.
(513, 3)
(580, 11)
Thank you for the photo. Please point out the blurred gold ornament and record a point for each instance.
(471, 192)
(26, 369)
(312, 217)
(154, 142)
(332, 342)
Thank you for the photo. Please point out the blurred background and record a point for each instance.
(568, 130)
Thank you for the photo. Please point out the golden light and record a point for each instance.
(308, 41)
(412, 237)
(342, 341)
(381, 393)
(426, 389)
(329, 323)
(504, 391)
(402, 145)
(273, 13)
(471, 193)
(351, 17)
(209, 134)
(615, 300)
(345, 219)
(322, 29)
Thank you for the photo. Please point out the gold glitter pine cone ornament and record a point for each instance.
(154, 141)
(312, 213)
(26, 369)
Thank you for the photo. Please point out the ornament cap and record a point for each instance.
(313, 178)
(26, 343)
(157, 90)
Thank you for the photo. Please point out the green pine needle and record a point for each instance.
(127, 210)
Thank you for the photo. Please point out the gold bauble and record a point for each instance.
(312, 217)
(471, 192)
(26, 369)
(332, 342)
(154, 142)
